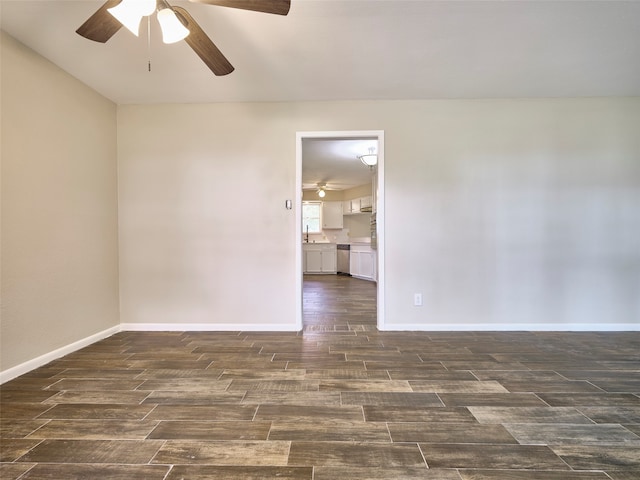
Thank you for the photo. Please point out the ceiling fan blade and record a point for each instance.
(101, 26)
(203, 46)
(279, 7)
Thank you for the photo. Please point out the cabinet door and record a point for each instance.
(332, 215)
(355, 205)
(354, 263)
(374, 261)
(366, 265)
(313, 261)
(329, 261)
(365, 202)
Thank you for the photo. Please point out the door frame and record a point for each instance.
(380, 217)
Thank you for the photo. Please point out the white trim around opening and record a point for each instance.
(373, 134)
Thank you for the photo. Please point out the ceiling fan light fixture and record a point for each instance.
(321, 190)
(172, 28)
(130, 12)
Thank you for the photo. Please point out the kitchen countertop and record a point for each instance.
(352, 241)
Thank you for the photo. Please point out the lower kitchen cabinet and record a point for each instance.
(319, 258)
(362, 262)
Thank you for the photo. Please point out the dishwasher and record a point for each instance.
(344, 251)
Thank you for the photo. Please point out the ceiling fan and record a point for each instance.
(326, 186)
(176, 24)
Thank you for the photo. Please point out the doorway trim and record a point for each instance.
(380, 217)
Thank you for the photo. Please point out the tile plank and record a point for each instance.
(563, 434)
(410, 399)
(526, 415)
(93, 451)
(240, 453)
(600, 457)
(95, 429)
(384, 473)
(374, 413)
(202, 430)
(528, 457)
(208, 472)
(84, 472)
(449, 433)
(329, 431)
(530, 475)
(354, 454)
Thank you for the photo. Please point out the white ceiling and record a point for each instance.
(334, 162)
(352, 50)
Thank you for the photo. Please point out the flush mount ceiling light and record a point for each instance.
(175, 22)
(370, 159)
(321, 190)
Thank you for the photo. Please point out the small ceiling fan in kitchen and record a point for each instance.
(175, 22)
(322, 187)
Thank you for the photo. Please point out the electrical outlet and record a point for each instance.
(417, 299)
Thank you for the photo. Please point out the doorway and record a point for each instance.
(378, 136)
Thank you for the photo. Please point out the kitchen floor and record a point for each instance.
(339, 400)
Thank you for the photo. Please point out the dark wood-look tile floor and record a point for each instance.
(338, 400)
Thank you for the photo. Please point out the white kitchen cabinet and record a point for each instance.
(351, 206)
(358, 205)
(313, 261)
(319, 257)
(332, 215)
(362, 262)
(366, 265)
(329, 261)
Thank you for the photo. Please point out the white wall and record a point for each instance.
(525, 214)
(357, 192)
(359, 225)
(204, 234)
(504, 214)
(59, 211)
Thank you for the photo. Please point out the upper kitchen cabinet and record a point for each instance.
(332, 215)
(357, 205)
(351, 206)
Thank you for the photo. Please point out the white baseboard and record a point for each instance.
(37, 362)
(503, 327)
(207, 327)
